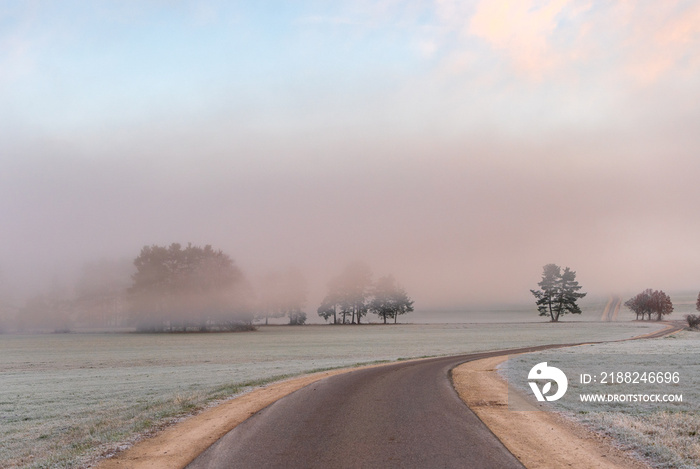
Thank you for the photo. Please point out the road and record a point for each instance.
(611, 309)
(404, 415)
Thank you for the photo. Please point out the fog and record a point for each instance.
(461, 181)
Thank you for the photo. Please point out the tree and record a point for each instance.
(297, 318)
(329, 308)
(640, 304)
(181, 289)
(661, 304)
(334, 302)
(559, 292)
(355, 283)
(389, 299)
(650, 302)
(348, 294)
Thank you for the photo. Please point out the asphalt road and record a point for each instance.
(404, 415)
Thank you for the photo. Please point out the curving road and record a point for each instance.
(404, 415)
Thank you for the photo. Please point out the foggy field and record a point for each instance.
(66, 398)
(666, 434)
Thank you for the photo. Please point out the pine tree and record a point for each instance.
(559, 292)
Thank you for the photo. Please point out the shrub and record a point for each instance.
(693, 320)
(297, 318)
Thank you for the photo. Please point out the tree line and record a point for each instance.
(179, 288)
(352, 295)
(650, 302)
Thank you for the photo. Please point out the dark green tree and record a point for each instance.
(389, 299)
(558, 293)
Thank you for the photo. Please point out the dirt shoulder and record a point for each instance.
(539, 439)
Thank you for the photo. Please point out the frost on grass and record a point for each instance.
(66, 399)
(666, 439)
(665, 435)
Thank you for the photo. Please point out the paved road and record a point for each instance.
(404, 415)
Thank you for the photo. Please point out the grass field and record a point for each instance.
(667, 435)
(67, 398)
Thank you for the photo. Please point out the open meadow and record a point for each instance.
(665, 434)
(68, 398)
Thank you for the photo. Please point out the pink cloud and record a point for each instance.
(521, 30)
(544, 40)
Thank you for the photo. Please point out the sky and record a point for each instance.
(458, 145)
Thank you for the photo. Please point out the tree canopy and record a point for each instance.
(180, 289)
(352, 294)
(558, 293)
(389, 299)
(650, 302)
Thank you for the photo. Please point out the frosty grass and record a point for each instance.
(665, 435)
(67, 399)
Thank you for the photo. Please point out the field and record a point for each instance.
(665, 434)
(65, 399)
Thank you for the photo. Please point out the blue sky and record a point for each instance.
(460, 145)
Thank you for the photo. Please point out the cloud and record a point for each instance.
(552, 40)
(522, 29)
(662, 39)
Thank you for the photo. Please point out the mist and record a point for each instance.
(459, 174)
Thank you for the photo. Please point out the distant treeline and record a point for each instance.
(352, 294)
(182, 289)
